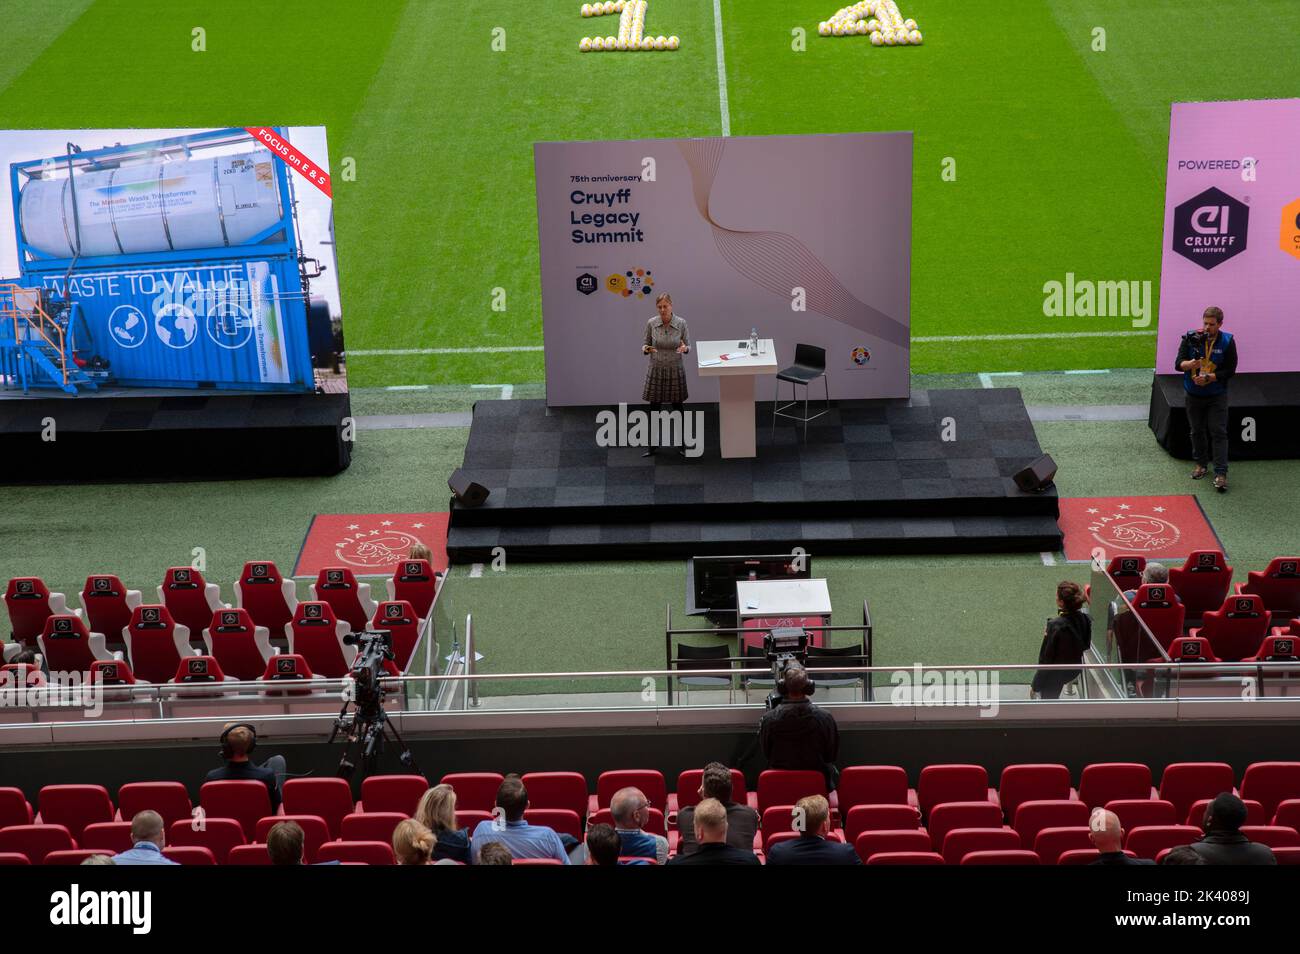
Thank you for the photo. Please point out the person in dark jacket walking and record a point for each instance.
(1064, 641)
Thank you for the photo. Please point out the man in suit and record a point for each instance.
(1223, 843)
(812, 820)
(742, 821)
(711, 834)
(1107, 837)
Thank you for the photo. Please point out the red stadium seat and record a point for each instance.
(1033, 816)
(107, 606)
(406, 627)
(552, 790)
(1190, 649)
(1202, 581)
(1147, 841)
(1275, 836)
(547, 861)
(30, 603)
(218, 835)
(285, 670)
(874, 842)
(1104, 782)
(1278, 586)
(314, 830)
(316, 635)
(785, 787)
(249, 855)
(241, 647)
(477, 791)
(1051, 843)
(1284, 856)
(880, 818)
(370, 826)
(36, 841)
(905, 858)
(874, 785)
(16, 675)
(561, 820)
(1126, 571)
(469, 818)
(1279, 647)
(688, 790)
(269, 598)
(1140, 813)
(1287, 814)
(1033, 783)
(200, 671)
(649, 781)
(953, 783)
(171, 800)
(655, 825)
(106, 837)
(191, 599)
(948, 816)
(70, 857)
(112, 673)
(1236, 629)
(1158, 607)
(960, 842)
(14, 808)
(14, 858)
(330, 798)
(1083, 856)
(415, 582)
(1271, 783)
(245, 801)
(197, 855)
(156, 643)
(1004, 857)
(392, 793)
(74, 806)
(68, 646)
(1182, 783)
(338, 586)
(365, 852)
(1196, 813)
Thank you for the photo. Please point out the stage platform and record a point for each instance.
(873, 478)
(1271, 400)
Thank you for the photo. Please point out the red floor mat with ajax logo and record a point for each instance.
(1159, 528)
(370, 544)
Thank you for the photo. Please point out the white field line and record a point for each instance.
(722, 68)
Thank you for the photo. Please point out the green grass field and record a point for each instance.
(1059, 153)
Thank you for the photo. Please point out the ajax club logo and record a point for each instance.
(587, 283)
(1210, 228)
(1121, 529)
(370, 547)
(861, 356)
(633, 283)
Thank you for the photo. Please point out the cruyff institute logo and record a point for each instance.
(1211, 228)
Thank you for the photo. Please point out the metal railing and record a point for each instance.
(19, 303)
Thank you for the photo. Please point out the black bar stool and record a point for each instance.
(809, 365)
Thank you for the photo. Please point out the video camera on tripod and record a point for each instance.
(786, 646)
(368, 726)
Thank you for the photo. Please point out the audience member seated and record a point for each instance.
(1107, 836)
(237, 743)
(509, 829)
(1182, 855)
(147, 841)
(1154, 573)
(437, 812)
(798, 734)
(711, 839)
(413, 844)
(1223, 843)
(495, 853)
(742, 821)
(99, 860)
(603, 846)
(1065, 639)
(812, 847)
(285, 843)
(631, 811)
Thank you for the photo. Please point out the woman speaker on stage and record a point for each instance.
(666, 340)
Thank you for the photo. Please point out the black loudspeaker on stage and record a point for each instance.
(467, 492)
(1037, 476)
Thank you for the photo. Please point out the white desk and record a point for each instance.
(770, 598)
(736, 427)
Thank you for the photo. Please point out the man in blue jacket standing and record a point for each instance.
(1208, 359)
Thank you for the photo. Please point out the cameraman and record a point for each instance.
(1208, 359)
(795, 734)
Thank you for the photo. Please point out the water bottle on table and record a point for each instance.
(753, 341)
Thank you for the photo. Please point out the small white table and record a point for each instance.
(796, 598)
(736, 427)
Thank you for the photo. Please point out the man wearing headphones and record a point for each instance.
(237, 743)
(795, 734)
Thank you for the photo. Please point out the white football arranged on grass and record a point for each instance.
(585, 44)
(674, 42)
